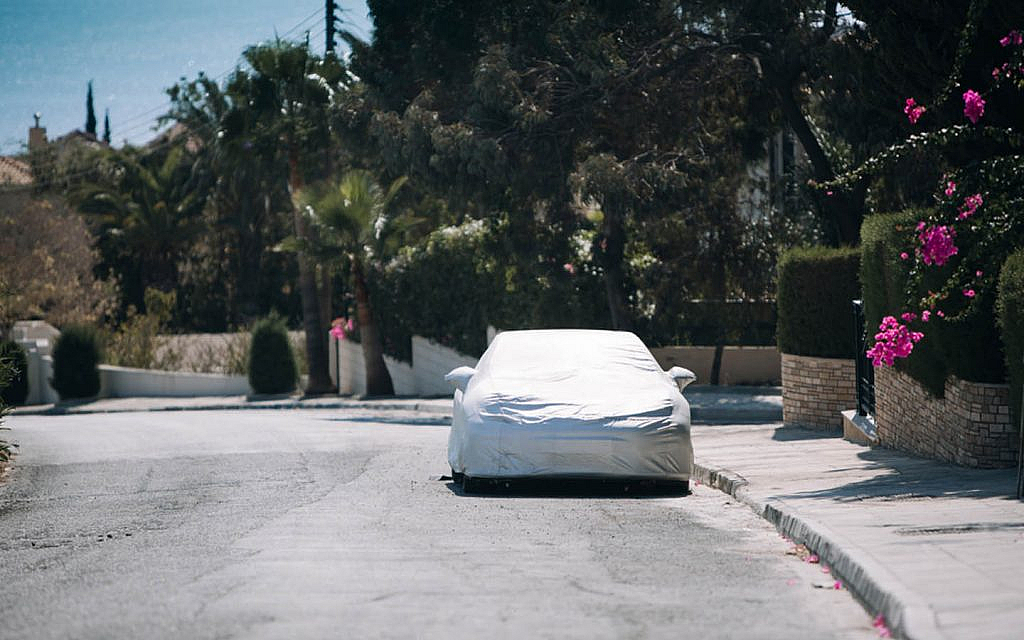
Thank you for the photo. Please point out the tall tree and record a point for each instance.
(106, 126)
(291, 92)
(90, 112)
(351, 220)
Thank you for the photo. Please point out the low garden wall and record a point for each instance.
(348, 370)
(126, 382)
(970, 426)
(816, 390)
(740, 365)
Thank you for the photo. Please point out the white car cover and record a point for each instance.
(570, 402)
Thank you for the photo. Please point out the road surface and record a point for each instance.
(315, 524)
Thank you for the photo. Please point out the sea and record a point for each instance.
(132, 51)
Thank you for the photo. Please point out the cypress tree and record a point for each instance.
(106, 126)
(90, 113)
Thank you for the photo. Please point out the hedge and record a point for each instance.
(815, 292)
(76, 359)
(967, 347)
(16, 392)
(1010, 311)
(271, 361)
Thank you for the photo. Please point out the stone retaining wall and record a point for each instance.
(971, 426)
(816, 390)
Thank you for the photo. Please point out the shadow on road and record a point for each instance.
(567, 488)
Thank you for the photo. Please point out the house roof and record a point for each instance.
(15, 171)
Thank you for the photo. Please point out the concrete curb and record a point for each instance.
(80, 409)
(906, 614)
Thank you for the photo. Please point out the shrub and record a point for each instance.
(271, 361)
(76, 358)
(966, 345)
(885, 278)
(815, 290)
(1010, 310)
(16, 391)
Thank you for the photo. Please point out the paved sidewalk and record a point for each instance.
(707, 404)
(937, 549)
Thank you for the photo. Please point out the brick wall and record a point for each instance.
(816, 390)
(970, 426)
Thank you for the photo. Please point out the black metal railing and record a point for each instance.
(865, 370)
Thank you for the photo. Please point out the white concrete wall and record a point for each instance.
(126, 382)
(431, 361)
(348, 370)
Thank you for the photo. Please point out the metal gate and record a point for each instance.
(865, 370)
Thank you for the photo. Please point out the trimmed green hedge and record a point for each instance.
(1010, 313)
(967, 347)
(16, 392)
(815, 292)
(271, 361)
(76, 359)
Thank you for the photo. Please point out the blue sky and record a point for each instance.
(132, 50)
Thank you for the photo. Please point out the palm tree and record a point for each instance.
(290, 91)
(351, 222)
(147, 215)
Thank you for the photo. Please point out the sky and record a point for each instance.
(132, 50)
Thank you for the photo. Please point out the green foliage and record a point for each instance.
(815, 292)
(963, 343)
(1010, 309)
(271, 361)
(15, 391)
(135, 342)
(90, 112)
(76, 358)
(885, 278)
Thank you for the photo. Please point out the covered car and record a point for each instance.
(570, 403)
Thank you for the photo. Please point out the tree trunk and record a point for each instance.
(378, 379)
(614, 250)
(316, 337)
(844, 211)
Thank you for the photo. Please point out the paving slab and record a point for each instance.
(937, 549)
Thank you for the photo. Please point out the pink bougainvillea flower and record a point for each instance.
(974, 106)
(979, 273)
(909, 316)
(920, 225)
(940, 313)
(995, 72)
(926, 315)
(969, 293)
(837, 585)
(1014, 37)
(337, 332)
(813, 558)
(826, 570)
(937, 244)
(950, 188)
(893, 340)
(828, 193)
(569, 268)
(904, 255)
(913, 110)
(970, 206)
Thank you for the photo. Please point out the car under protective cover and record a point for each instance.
(569, 403)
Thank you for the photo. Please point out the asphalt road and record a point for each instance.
(314, 524)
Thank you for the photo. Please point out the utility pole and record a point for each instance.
(330, 8)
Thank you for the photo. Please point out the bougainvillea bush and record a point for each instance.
(953, 252)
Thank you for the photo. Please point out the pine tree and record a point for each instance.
(90, 113)
(106, 126)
